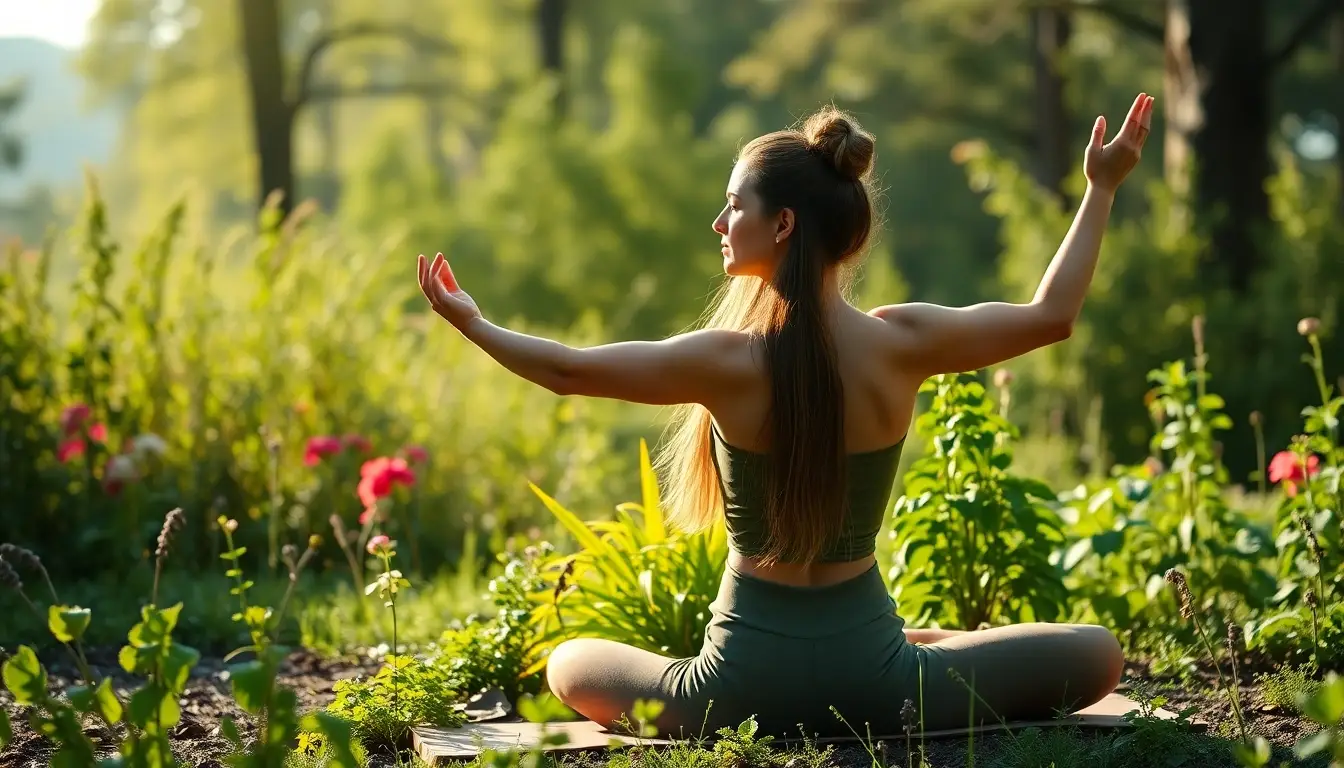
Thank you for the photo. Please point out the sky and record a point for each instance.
(62, 22)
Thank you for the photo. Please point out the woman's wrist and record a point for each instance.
(474, 328)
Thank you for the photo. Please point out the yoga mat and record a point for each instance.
(438, 745)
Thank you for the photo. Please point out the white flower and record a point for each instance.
(120, 467)
(149, 443)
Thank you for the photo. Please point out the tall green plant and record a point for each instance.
(973, 541)
(632, 580)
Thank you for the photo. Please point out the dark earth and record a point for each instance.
(197, 741)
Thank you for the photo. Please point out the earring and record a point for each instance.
(777, 238)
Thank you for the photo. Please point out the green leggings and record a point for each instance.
(789, 654)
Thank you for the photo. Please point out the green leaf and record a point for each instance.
(335, 731)
(230, 732)
(6, 732)
(545, 708)
(654, 529)
(1326, 705)
(68, 623)
(25, 677)
(177, 665)
(251, 683)
(153, 709)
(108, 706)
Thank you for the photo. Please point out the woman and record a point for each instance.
(795, 409)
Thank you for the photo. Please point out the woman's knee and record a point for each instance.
(565, 670)
(1108, 655)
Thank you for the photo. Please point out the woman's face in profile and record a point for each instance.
(745, 232)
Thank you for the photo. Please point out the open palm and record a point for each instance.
(1107, 165)
(444, 294)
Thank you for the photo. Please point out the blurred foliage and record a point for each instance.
(198, 379)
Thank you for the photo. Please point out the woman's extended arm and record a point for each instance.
(931, 339)
(693, 367)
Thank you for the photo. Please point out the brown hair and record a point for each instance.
(822, 171)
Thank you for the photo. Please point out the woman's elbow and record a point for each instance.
(1058, 330)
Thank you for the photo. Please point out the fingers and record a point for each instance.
(1139, 120)
(1099, 132)
(449, 280)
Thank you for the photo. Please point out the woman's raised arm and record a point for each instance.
(695, 367)
(931, 339)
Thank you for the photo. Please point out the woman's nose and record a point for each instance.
(720, 226)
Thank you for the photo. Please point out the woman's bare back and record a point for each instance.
(879, 403)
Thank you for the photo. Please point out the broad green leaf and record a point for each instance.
(25, 677)
(251, 683)
(68, 623)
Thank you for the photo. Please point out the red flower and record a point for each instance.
(74, 447)
(378, 476)
(73, 418)
(358, 443)
(1285, 468)
(70, 449)
(318, 447)
(416, 454)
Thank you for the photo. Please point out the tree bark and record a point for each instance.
(551, 40)
(1337, 49)
(1050, 31)
(272, 115)
(1218, 113)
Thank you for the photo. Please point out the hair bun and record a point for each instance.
(842, 141)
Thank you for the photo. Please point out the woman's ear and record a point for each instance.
(784, 226)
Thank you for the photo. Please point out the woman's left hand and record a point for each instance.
(444, 295)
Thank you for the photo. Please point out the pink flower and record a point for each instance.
(73, 418)
(319, 447)
(1285, 468)
(70, 449)
(378, 476)
(379, 544)
(358, 443)
(416, 454)
(74, 446)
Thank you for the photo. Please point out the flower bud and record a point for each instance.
(1003, 377)
(1257, 418)
(1308, 326)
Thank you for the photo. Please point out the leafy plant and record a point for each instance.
(495, 652)
(973, 541)
(147, 718)
(632, 580)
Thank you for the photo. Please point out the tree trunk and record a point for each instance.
(551, 39)
(1050, 30)
(1218, 111)
(272, 115)
(1337, 48)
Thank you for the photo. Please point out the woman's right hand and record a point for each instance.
(446, 297)
(1107, 165)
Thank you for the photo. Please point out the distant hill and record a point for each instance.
(58, 134)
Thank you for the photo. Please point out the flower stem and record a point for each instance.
(1241, 724)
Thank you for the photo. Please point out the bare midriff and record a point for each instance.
(801, 574)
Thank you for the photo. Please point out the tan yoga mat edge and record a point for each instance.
(436, 745)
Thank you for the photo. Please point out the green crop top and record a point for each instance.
(870, 474)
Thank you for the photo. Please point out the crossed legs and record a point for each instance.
(1025, 671)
